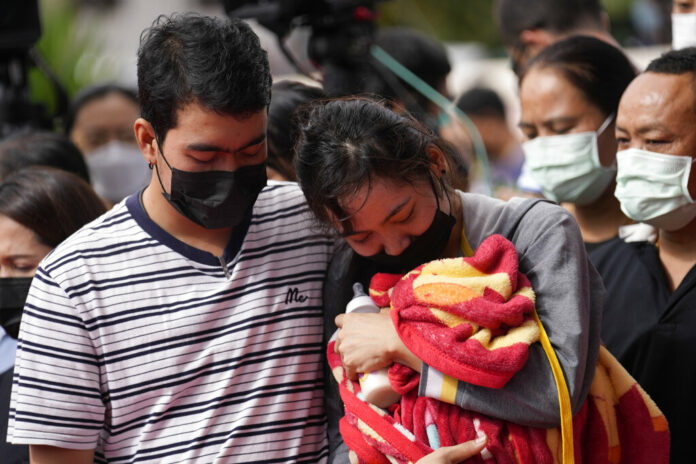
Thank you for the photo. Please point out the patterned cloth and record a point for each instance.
(472, 318)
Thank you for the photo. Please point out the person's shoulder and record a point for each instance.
(501, 215)
(278, 194)
(279, 202)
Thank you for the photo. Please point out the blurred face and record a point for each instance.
(683, 6)
(551, 105)
(204, 140)
(657, 114)
(20, 251)
(389, 216)
(103, 120)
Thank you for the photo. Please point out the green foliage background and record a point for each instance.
(69, 54)
(473, 20)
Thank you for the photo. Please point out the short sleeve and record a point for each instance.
(56, 396)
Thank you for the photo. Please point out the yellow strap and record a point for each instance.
(561, 386)
(563, 395)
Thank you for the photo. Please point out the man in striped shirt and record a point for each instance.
(184, 325)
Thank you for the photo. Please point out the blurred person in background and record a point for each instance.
(569, 95)
(487, 112)
(649, 319)
(683, 24)
(528, 26)
(419, 53)
(286, 97)
(41, 148)
(39, 208)
(426, 58)
(100, 122)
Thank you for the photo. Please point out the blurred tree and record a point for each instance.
(70, 49)
(473, 20)
(446, 20)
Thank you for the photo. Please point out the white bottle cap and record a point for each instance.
(361, 303)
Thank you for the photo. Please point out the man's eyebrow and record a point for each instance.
(217, 148)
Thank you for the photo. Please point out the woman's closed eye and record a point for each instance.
(403, 217)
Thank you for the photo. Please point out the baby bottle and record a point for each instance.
(374, 385)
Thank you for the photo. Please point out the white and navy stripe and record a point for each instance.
(149, 350)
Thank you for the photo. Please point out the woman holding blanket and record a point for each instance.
(380, 180)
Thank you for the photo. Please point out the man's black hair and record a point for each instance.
(94, 92)
(676, 62)
(515, 16)
(480, 101)
(217, 63)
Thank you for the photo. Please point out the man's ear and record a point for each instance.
(145, 136)
(438, 163)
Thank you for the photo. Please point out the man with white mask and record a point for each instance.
(683, 24)
(650, 311)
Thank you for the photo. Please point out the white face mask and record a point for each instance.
(653, 188)
(683, 30)
(567, 166)
(117, 169)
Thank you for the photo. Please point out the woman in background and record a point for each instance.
(39, 208)
(286, 97)
(569, 95)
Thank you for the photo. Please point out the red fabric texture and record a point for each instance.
(618, 423)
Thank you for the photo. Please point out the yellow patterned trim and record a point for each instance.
(449, 389)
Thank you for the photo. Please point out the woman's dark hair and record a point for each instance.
(599, 70)
(91, 93)
(41, 148)
(50, 202)
(286, 97)
(347, 143)
(217, 63)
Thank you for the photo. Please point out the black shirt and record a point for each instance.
(652, 332)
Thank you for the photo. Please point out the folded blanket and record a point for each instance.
(472, 319)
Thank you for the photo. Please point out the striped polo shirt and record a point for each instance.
(150, 350)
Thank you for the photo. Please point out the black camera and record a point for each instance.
(342, 30)
(20, 29)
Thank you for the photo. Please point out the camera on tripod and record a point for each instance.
(20, 29)
(342, 30)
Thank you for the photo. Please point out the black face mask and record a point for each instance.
(424, 248)
(215, 199)
(13, 295)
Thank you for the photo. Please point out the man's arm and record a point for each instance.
(42, 454)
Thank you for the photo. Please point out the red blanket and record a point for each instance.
(471, 318)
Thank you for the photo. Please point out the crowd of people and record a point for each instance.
(175, 260)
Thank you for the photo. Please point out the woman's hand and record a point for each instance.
(455, 454)
(367, 342)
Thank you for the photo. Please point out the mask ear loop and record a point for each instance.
(444, 190)
(605, 124)
(159, 148)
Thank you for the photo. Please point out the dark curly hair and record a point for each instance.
(215, 62)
